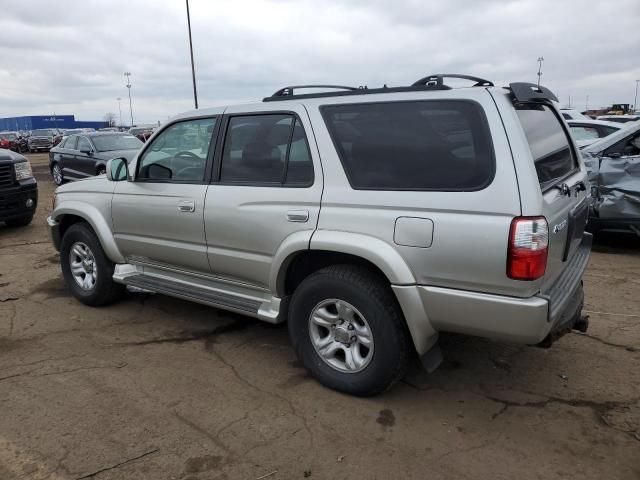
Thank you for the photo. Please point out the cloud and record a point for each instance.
(69, 56)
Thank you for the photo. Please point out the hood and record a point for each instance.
(98, 184)
(128, 154)
(9, 156)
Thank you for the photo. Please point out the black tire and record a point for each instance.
(373, 298)
(53, 166)
(20, 222)
(105, 290)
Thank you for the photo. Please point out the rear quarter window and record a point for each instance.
(442, 145)
(548, 142)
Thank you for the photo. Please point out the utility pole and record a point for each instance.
(128, 74)
(635, 101)
(193, 68)
(120, 110)
(540, 60)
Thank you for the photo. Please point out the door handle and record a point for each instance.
(298, 216)
(186, 206)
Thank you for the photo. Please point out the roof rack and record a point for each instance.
(288, 91)
(432, 82)
(438, 80)
(530, 92)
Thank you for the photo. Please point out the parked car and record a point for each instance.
(42, 139)
(585, 132)
(13, 141)
(86, 155)
(613, 164)
(619, 118)
(370, 219)
(571, 114)
(72, 131)
(18, 189)
(109, 129)
(143, 133)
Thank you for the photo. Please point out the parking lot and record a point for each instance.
(155, 387)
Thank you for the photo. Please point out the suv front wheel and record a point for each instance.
(86, 269)
(348, 330)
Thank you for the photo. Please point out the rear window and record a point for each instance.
(548, 143)
(424, 145)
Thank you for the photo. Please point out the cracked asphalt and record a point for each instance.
(157, 388)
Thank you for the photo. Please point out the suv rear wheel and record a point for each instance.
(348, 330)
(86, 269)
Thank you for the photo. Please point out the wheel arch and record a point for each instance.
(69, 213)
(331, 248)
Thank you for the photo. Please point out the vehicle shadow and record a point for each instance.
(616, 242)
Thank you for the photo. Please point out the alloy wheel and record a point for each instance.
(341, 336)
(83, 265)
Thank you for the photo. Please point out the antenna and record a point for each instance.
(540, 60)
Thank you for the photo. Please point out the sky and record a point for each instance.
(69, 56)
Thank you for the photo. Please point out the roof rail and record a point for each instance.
(437, 79)
(530, 92)
(287, 91)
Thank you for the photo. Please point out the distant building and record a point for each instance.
(33, 122)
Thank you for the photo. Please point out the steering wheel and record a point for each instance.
(187, 153)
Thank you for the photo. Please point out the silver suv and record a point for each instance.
(369, 219)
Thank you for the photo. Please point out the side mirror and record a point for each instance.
(117, 169)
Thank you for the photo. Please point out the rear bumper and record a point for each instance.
(519, 320)
(13, 202)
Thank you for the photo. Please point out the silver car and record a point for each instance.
(370, 220)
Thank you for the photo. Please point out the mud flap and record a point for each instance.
(432, 359)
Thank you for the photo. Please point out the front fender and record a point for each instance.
(96, 218)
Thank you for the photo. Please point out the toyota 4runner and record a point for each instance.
(369, 219)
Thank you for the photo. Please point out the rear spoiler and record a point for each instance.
(530, 92)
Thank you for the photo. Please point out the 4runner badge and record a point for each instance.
(560, 226)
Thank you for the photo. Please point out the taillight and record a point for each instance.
(528, 247)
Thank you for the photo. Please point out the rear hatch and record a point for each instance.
(562, 182)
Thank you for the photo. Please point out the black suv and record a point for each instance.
(18, 189)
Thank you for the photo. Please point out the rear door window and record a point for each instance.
(548, 143)
(266, 150)
(423, 145)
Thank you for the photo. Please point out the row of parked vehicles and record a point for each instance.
(45, 139)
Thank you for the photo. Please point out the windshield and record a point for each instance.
(8, 136)
(42, 133)
(108, 143)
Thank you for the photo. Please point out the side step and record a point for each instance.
(194, 293)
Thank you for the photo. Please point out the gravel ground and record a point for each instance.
(157, 388)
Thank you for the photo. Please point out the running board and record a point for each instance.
(197, 294)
